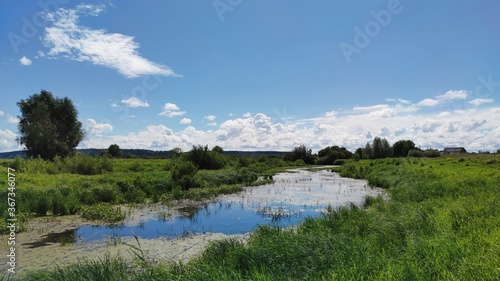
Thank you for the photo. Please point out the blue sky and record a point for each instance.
(260, 74)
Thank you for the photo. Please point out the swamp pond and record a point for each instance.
(182, 231)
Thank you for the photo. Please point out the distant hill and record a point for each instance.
(12, 154)
(144, 153)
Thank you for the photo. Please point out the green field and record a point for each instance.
(442, 222)
(91, 186)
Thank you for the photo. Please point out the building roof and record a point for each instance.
(454, 149)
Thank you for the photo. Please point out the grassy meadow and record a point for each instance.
(93, 186)
(441, 222)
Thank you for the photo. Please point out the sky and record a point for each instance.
(258, 74)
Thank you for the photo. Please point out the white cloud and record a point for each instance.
(8, 141)
(25, 61)
(453, 95)
(64, 37)
(1, 113)
(94, 129)
(370, 108)
(12, 120)
(212, 124)
(446, 97)
(478, 102)
(171, 110)
(331, 113)
(246, 115)
(185, 121)
(134, 102)
(428, 102)
(376, 111)
(210, 117)
(475, 128)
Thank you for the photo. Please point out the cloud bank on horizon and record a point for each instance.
(454, 118)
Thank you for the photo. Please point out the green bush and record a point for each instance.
(205, 159)
(183, 173)
(416, 153)
(106, 193)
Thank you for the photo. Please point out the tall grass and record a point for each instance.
(442, 222)
(67, 186)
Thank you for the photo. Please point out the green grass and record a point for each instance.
(71, 185)
(442, 222)
(103, 212)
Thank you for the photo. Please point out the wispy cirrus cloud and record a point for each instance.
(65, 37)
(478, 102)
(446, 97)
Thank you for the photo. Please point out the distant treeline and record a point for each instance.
(143, 153)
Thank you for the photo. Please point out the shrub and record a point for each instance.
(339, 162)
(432, 153)
(416, 153)
(42, 204)
(107, 193)
(183, 173)
(85, 165)
(205, 159)
(59, 206)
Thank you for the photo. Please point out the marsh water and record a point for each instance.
(293, 196)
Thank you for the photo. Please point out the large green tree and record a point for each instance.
(402, 147)
(48, 126)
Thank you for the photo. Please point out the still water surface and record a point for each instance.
(292, 197)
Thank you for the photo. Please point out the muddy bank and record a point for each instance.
(44, 245)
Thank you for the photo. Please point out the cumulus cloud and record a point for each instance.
(185, 121)
(25, 61)
(65, 37)
(1, 113)
(94, 129)
(12, 120)
(475, 128)
(246, 115)
(134, 102)
(478, 102)
(428, 102)
(171, 110)
(210, 117)
(8, 141)
(453, 95)
(331, 113)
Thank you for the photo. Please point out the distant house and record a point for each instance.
(454, 150)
